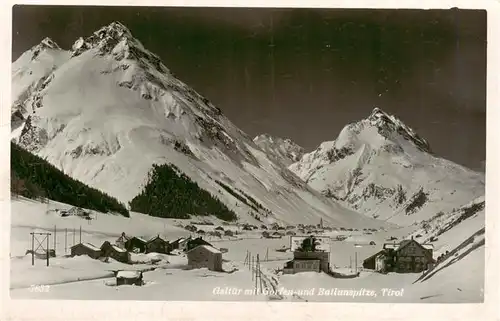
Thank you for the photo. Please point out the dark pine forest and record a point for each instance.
(35, 178)
(170, 193)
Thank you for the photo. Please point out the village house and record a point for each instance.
(115, 252)
(158, 245)
(85, 249)
(205, 256)
(136, 244)
(408, 256)
(180, 244)
(120, 242)
(308, 261)
(129, 278)
(191, 244)
(322, 256)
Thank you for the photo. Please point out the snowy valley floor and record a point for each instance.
(74, 278)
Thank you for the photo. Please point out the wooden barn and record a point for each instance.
(136, 244)
(129, 278)
(191, 244)
(86, 249)
(115, 252)
(158, 245)
(205, 256)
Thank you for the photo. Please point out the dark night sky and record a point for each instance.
(303, 73)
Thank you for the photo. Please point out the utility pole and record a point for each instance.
(252, 268)
(40, 244)
(55, 230)
(65, 241)
(74, 234)
(32, 248)
(80, 234)
(48, 251)
(356, 261)
(257, 274)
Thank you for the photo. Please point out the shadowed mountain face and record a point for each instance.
(304, 74)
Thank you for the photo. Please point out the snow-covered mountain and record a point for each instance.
(284, 150)
(106, 110)
(381, 167)
(30, 71)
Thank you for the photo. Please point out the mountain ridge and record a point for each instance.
(381, 167)
(107, 114)
(284, 150)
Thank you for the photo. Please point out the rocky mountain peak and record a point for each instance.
(388, 125)
(46, 43)
(49, 43)
(106, 38)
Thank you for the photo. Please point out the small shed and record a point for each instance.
(370, 262)
(158, 245)
(136, 244)
(205, 256)
(129, 278)
(115, 252)
(85, 249)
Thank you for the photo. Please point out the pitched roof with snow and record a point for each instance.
(391, 245)
(428, 246)
(155, 238)
(118, 249)
(90, 246)
(140, 239)
(375, 255)
(128, 274)
(206, 247)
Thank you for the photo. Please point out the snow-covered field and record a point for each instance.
(86, 278)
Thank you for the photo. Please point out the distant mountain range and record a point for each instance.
(382, 168)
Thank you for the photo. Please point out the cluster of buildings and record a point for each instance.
(199, 252)
(408, 256)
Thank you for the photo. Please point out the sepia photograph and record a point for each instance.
(248, 154)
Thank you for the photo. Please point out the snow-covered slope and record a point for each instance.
(112, 109)
(283, 150)
(381, 167)
(29, 72)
